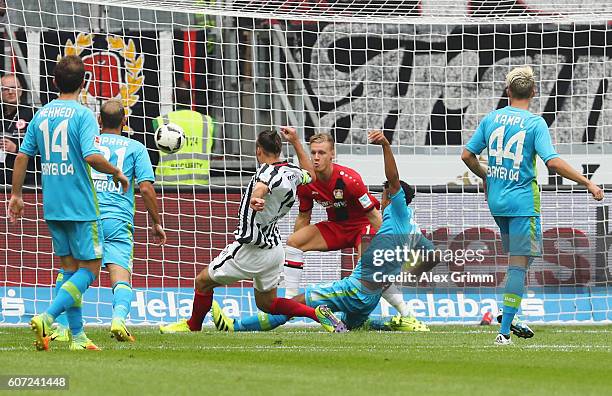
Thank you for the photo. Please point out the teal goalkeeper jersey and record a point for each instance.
(513, 138)
(132, 158)
(398, 229)
(64, 133)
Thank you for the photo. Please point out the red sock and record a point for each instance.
(291, 308)
(201, 306)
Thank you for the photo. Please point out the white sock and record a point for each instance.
(294, 264)
(395, 298)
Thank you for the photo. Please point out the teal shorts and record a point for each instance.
(346, 296)
(83, 240)
(521, 235)
(118, 243)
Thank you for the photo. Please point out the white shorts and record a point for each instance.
(247, 262)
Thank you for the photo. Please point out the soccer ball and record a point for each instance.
(170, 138)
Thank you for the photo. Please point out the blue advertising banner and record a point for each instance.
(157, 305)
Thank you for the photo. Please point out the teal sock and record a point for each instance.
(71, 293)
(513, 295)
(75, 319)
(122, 300)
(260, 322)
(62, 277)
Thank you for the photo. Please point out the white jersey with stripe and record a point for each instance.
(259, 228)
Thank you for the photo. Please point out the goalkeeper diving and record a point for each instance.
(356, 296)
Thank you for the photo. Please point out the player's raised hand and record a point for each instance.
(378, 138)
(15, 208)
(159, 234)
(596, 191)
(257, 204)
(120, 178)
(290, 134)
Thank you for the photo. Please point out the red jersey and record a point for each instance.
(344, 196)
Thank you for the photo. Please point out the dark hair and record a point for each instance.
(270, 142)
(69, 74)
(409, 191)
(182, 93)
(112, 114)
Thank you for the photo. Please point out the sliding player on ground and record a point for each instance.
(351, 213)
(514, 136)
(258, 254)
(357, 295)
(117, 213)
(66, 135)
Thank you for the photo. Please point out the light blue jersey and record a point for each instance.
(132, 158)
(64, 132)
(513, 137)
(398, 229)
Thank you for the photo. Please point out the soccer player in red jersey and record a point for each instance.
(352, 212)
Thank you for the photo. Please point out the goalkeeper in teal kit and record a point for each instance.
(357, 295)
(513, 137)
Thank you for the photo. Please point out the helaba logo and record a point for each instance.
(116, 72)
(171, 304)
(463, 306)
(12, 305)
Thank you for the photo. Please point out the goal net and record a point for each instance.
(425, 72)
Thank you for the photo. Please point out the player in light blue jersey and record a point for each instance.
(66, 136)
(117, 212)
(514, 137)
(357, 295)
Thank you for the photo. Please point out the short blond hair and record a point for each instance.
(520, 82)
(322, 138)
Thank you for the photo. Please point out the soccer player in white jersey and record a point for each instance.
(117, 212)
(66, 135)
(357, 295)
(513, 137)
(258, 254)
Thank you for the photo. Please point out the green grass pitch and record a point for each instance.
(450, 360)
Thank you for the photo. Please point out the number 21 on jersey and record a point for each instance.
(120, 153)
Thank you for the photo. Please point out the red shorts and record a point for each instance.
(345, 234)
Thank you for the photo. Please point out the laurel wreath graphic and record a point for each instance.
(133, 64)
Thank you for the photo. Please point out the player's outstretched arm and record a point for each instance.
(149, 198)
(564, 169)
(19, 171)
(290, 134)
(391, 172)
(99, 163)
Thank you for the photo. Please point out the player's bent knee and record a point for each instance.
(307, 239)
(295, 241)
(203, 281)
(118, 273)
(263, 300)
(69, 263)
(92, 265)
(301, 298)
(264, 306)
